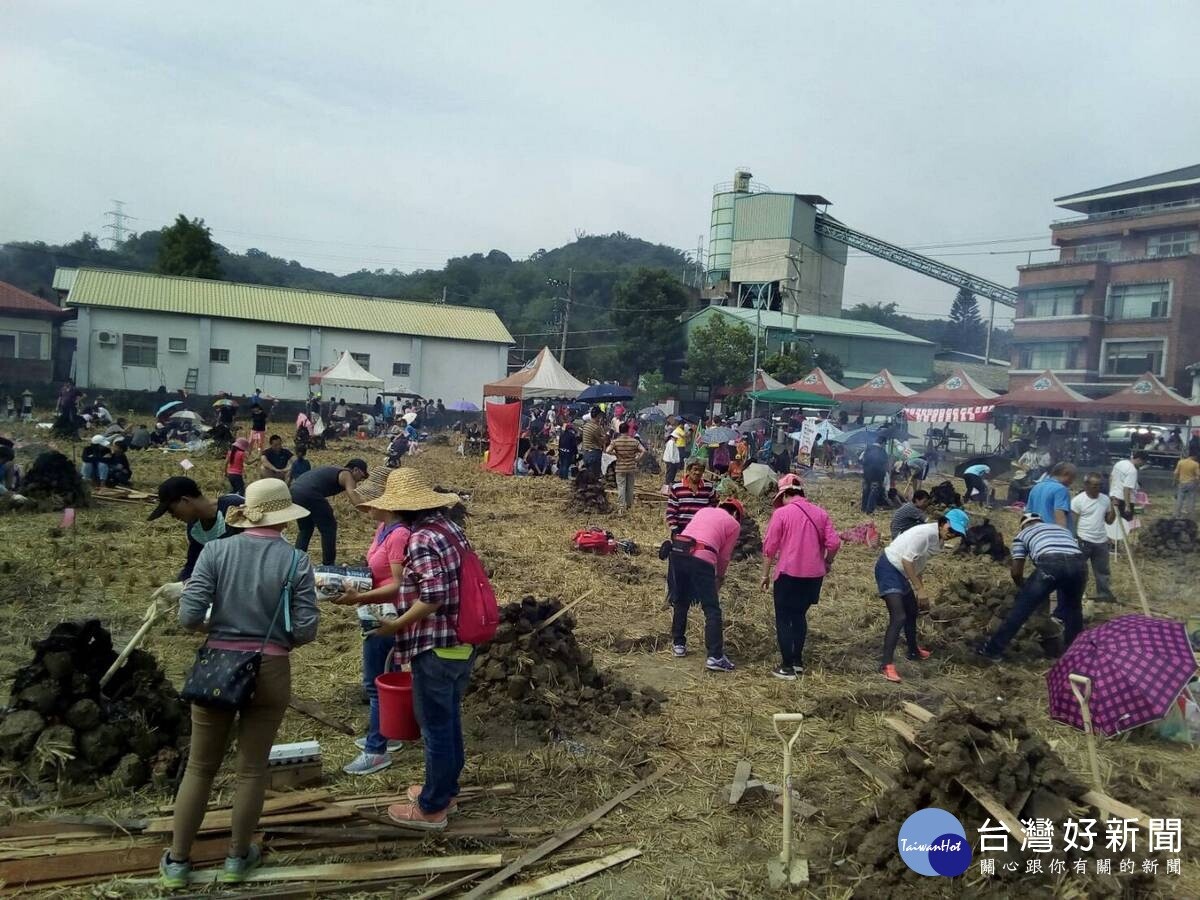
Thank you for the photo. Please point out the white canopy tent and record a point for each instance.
(542, 378)
(346, 376)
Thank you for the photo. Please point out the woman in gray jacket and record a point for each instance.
(233, 595)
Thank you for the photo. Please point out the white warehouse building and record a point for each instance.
(139, 331)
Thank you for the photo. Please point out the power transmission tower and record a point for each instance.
(117, 225)
(566, 319)
(700, 263)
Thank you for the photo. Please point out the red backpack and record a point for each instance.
(594, 540)
(478, 611)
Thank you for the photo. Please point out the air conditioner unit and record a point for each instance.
(295, 369)
(111, 338)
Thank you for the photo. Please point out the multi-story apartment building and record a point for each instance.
(1123, 298)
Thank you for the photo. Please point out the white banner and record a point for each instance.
(950, 414)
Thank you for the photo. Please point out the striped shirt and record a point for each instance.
(626, 449)
(905, 518)
(1044, 539)
(592, 437)
(683, 502)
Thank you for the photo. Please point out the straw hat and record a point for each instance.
(372, 488)
(407, 491)
(268, 502)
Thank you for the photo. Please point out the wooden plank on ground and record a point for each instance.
(316, 712)
(920, 713)
(868, 768)
(556, 880)
(441, 890)
(992, 804)
(565, 836)
(903, 729)
(1115, 807)
(363, 871)
(222, 819)
(470, 792)
(102, 863)
(740, 776)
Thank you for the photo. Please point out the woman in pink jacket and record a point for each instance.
(802, 542)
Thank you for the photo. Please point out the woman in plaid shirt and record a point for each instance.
(427, 640)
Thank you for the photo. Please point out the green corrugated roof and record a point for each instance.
(777, 321)
(262, 303)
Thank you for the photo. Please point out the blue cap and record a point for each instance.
(959, 520)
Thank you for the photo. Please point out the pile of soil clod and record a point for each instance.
(749, 542)
(973, 607)
(1166, 538)
(543, 675)
(54, 481)
(996, 750)
(59, 725)
(587, 493)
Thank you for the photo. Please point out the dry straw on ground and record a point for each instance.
(695, 844)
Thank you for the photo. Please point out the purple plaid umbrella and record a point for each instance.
(1137, 665)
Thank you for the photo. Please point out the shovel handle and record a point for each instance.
(788, 717)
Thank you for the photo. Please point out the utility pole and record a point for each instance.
(117, 213)
(566, 319)
(757, 331)
(987, 347)
(443, 293)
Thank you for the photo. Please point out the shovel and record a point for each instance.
(785, 870)
(152, 613)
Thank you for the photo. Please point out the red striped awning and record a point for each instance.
(948, 414)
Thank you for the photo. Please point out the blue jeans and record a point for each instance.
(566, 459)
(438, 689)
(1066, 575)
(375, 652)
(591, 461)
(97, 473)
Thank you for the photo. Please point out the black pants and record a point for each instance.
(793, 597)
(691, 580)
(591, 461)
(320, 517)
(872, 491)
(237, 483)
(672, 473)
(975, 485)
(902, 615)
(1065, 574)
(566, 459)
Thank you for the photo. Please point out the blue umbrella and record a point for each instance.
(605, 393)
(463, 406)
(860, 437)
(653, 414)
(166, 407)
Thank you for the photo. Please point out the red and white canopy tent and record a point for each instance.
(764, 382)
(543, 378)
(884, 389)
(1046, 392)
(1147, 395)
(818, 382)
(960, 398)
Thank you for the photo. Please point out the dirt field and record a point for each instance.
(695, 844)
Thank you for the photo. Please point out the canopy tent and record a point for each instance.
(884, 388)
(1146, 395)
(818, 382)
(793, 398)
(346, 375)
(764, 382)
(542, 378)
(1045, 392)
(960, 389)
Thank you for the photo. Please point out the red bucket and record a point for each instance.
(397, 721)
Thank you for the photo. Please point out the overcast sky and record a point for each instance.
(396, 134)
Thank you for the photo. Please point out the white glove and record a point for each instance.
(170, 592)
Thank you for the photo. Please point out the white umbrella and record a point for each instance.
(186, 414)
(409, 417)
(757, 478)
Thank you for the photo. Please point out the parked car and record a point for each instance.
(1122, 438)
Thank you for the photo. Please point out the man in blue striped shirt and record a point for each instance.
(1061, 567)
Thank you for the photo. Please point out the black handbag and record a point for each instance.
(226, 679)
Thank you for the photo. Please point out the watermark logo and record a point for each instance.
(934, 842)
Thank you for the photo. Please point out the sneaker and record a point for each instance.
(679, 650)
(410, 815)
(784, 673)
(238, 867)
(718, 664)
(1105, 598)
(367, 764)
(981, 650)
(921, 653)
(172, 874)
(392, 746)
(799, 670)
(414, 794)
(890, 673)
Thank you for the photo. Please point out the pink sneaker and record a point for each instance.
(409, 815)
(414, 794)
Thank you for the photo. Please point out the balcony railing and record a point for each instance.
(1128, 212)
